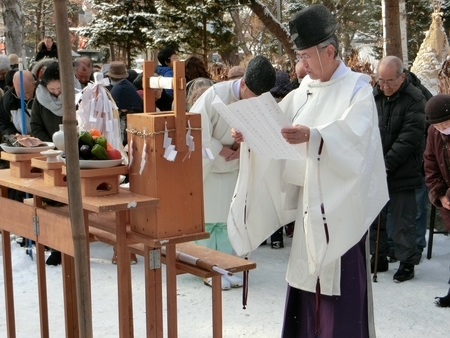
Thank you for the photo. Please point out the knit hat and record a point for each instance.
(311, 26)
(13, 59)
(282, 85)
(4, 62)
(236, 72)
(117, 70)
(437, 109)
(259, 75)
(126, 97)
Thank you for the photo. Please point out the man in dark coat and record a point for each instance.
(401, 115)
(46, 49)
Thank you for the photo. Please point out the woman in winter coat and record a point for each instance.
(47, 112)
(437, 162)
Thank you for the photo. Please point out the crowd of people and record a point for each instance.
(371, 157)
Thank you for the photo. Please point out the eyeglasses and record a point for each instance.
(389, 82)
(305, 56)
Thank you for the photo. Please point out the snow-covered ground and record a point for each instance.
(401, 309)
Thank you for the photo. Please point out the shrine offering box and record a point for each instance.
(178, 184)
(20, 164)
(53, 175)
(100, 182)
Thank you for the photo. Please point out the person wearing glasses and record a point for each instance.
(336, 189)
(401, 115)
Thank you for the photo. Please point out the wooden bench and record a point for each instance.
(102, 228)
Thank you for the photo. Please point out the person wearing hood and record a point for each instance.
(437, 163)
(166, 58)
(128, 101)
(401, 108)
(46, 49)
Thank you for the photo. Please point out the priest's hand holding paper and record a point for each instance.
(237, 136)
(296, 134)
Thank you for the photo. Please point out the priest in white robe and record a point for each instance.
(336, 190)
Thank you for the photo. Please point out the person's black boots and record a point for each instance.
(383, 264)
(276, 240)
(54, 258)
(405, 272)
(443, 301)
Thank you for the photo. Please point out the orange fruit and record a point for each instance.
(95, 132)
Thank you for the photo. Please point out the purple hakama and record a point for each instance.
(344, 316)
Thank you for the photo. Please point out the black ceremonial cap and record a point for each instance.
(311, 26)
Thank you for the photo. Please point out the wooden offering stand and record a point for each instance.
(100, 181)
(20, 164)
(53, 175)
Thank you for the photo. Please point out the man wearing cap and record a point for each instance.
(221, 167)
(401, 108)
(336, 190)
(437, 162)
(117, 71)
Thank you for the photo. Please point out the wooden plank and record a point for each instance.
(171, 287)
(17, 218)
(8, 284)
(18, 157)
(70, 296)
(41, 162)
(225, 261)
(42, 289)
(217, 306)
(153, 298)
(101, 172)
(125, 200)
(55, 231)
(124, 279)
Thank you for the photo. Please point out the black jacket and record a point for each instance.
(42, 52)
(401, 120)
(9, 103)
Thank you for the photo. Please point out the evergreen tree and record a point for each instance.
(199, 27)
(127, 27)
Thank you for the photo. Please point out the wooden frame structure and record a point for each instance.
(142, 219)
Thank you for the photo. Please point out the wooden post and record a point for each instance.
(73, 172)
(179, 101)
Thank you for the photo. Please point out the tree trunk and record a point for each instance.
(238, 32)
(13, 20)
(403, 32)
(274, 27)
(393, 36)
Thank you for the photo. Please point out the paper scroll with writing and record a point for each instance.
(260, 120)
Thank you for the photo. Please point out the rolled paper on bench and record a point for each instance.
(161, 82)
(195, 261)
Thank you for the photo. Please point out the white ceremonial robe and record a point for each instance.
(219, 176)
(348, 178)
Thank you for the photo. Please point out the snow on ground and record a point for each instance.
(401, 309)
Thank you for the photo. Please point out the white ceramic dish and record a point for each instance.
(26, 150)
(52, 155)
(97, 164)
